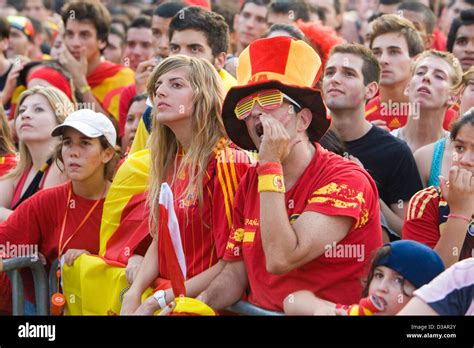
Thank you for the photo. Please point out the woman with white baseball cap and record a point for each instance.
(65, 220)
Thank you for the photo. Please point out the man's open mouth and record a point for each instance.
(259, 129)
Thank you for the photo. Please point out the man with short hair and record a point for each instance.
(300, 203)
(113, 52)
(350, 79)
(250, 23)
(138, 43)
(423, 19)
(461, 39)
(160, 22)
(395, 42)
(138, 49)
(99, 82)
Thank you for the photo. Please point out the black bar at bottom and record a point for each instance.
(349, 331)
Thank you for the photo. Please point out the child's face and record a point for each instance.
(391, 288)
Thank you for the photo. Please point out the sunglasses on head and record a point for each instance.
(269, 99)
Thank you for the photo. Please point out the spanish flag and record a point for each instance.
(107, 82)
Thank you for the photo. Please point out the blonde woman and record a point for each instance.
(434, 83)
(39, 110)
(435, 159)
(190, 152)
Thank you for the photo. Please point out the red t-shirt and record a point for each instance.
(204, 236)
(426, 218)
(38, 222)
(7, 163)
(396, 116)
(329, 185)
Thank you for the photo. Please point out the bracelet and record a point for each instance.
(458, 216)
(85, 89)
(270, 168)
(270, 177)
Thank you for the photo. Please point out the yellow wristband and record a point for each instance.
(271, 183)
(85, 89)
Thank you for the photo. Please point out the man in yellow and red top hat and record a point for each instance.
(304, 218)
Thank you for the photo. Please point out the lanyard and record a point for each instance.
(61, 247)
(57, 299)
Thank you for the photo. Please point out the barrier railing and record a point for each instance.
(245, 308)
(47, 285)
(12, 268)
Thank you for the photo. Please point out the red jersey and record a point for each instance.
(329, 185)
(397, 116)
(426, 218)
(7, 163)
(38, 221)
(204, 233)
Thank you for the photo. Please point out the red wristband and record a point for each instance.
(273, 168)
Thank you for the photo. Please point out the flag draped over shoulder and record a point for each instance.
(94, 285)
(107, 82)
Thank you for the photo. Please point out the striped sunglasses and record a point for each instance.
(268, 99)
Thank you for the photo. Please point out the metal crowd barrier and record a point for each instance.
(46, 286)
(245, 308)
(12, 268)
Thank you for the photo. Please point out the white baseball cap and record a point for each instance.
(90, 123)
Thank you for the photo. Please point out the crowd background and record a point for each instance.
(397, 80)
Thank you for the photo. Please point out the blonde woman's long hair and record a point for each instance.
(61, 106)
(207, 128)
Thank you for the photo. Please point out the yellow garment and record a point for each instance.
(141, 136)
(188, 305)
(84, 283)
(131, 178)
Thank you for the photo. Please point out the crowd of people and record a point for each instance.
(319, 154)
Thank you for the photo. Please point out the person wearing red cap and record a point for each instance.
(48, 76)
(300, 203)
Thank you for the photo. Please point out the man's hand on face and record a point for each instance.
(276, 142)
(143, 72)
(77, 68)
